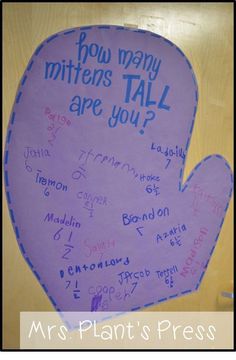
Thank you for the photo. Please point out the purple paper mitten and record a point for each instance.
(95, 153)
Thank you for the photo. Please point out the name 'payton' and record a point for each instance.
(77, 269)
(65, 220)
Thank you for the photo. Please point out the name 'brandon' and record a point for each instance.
(152, 215)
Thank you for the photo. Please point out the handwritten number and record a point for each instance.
(134, 286)
(168, 163)
(68, 281)
(28, 167)
(57, 234)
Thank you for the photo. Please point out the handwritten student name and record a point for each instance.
(57, 122)
(173, 235)
(100, 247)
(49, 183)
(190, 263)
(34, 153)
(167, 275)
(126, 276)
(92, 157)
(90, 200)
(203, 198)
(168, 151)
(77, 269)
(152, 215)
(66, 220)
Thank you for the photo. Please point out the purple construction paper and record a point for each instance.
(94, 161)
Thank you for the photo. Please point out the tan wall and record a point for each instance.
(204, 32)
